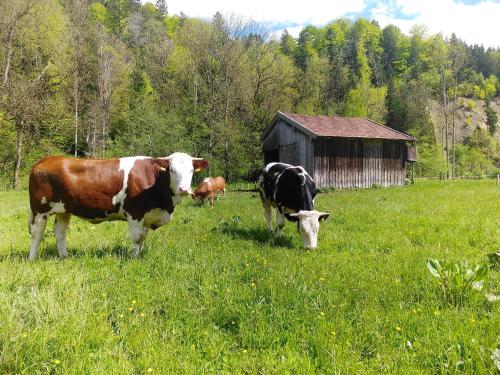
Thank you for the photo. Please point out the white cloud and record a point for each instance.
(294, 30)
(316, 12)
(476, 24)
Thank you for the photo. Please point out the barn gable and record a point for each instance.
(339, 151)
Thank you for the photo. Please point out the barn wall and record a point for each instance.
(357, 163)
(292, 146)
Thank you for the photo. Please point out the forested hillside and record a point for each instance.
(117, 77)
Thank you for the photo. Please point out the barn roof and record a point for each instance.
(342, 127)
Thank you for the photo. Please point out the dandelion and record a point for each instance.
(334, 333)
(104, 294)
(398, 328)
(232, 322)
(321, 279)
(322, 313)
(149, 370)
(57, 362)
(253, 284)
(120, 316)
(437, 313)
(142, 314)
(414, 311)
(134, 302)
(25, 335)
(244, 350)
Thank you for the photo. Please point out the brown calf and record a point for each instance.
(208, 187)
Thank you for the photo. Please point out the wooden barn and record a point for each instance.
(340, 152)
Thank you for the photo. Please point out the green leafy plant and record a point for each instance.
(457, 281)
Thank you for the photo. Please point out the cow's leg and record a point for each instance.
(211, 197)
(280, 222)
(37, 226)
(60, 228)
(268, 214)
(137, 235)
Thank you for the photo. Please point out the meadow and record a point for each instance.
(213, 292)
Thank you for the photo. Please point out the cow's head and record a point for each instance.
(308, 225)
(181, 169)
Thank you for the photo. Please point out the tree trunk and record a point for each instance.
(75, 91)
(9, 59)
(17, 160)
(453, 128)
(445, 105)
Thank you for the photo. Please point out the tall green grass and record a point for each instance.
(212, 292)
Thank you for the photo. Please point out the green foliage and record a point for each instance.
(430, 161)
(490, 87)
(101, 14)
(472, 161)
(471, 105)
(124, 76)
(457, 281)
(491, 118)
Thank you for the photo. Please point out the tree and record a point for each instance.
(32, 68)
(162, 7)
(491, 117)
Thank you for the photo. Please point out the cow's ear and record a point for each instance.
(200, 164)
(323, 216)
(143, 175)
(292, 217)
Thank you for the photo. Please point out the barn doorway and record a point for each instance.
(289, 155)
(271, 156)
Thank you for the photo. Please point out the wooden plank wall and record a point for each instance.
(358, 163)
(282, 136)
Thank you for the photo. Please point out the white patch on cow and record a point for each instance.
(137, 233)
(309, 226)
(56, 208)
(126, 165)
(181, 173)
(37, 227)
(157, 217)
(60, 228)
(44, 200)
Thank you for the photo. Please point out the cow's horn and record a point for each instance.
(163, 169)
(196, 158)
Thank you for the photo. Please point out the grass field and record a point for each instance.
(214, 293)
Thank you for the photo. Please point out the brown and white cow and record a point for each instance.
(140, 190)
(208, 188)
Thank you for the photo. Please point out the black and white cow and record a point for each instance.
(291, 191)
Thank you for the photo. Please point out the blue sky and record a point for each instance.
(475, 21)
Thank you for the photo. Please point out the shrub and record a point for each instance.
(457, 281)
